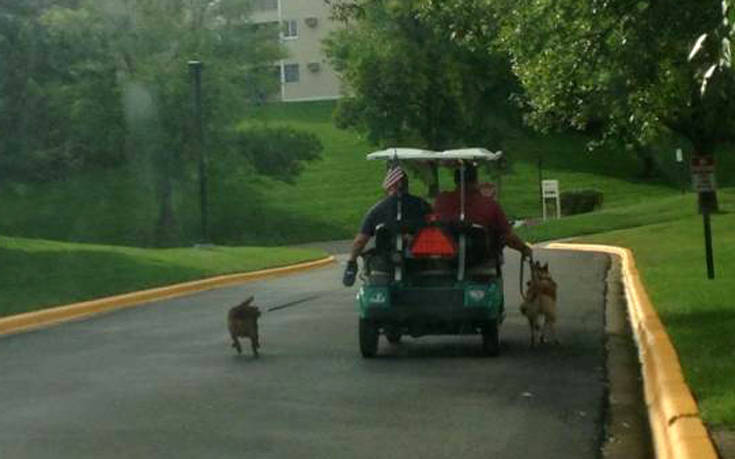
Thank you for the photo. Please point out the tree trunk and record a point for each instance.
(649, 166)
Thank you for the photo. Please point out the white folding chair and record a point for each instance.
(550, 190)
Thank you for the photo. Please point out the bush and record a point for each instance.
(580, 201)
(279, 152)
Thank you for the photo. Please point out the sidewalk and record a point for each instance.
(725, 442)
(676, 426)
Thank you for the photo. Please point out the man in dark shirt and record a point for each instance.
(385, 211)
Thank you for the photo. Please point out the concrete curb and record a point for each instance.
(678, 430)
(35, 319)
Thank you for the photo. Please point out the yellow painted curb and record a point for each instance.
(35, 319)
(678, 431)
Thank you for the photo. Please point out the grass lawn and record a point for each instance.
(343, 185)
(698, 313)
(36, 274)
(650, 211)
(326, 202)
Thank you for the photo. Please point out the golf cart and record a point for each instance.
(431, 277)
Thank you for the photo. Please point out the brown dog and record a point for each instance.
(540, 300)
(242, 322)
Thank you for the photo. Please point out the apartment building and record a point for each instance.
(305, 74)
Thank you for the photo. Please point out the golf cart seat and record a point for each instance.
(483, 253)
(380, 261)
(483, 247)
(482, 259)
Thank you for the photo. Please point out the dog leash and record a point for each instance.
(530, 265)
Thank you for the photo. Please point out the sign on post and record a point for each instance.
(550, 190)
(703, 174)
(703, 179)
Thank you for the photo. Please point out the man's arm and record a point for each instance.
(348, 278)
(358, 244)
(513, 241)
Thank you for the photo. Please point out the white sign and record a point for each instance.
(550, 190)
(703, 173)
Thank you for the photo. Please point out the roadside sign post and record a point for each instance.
(708, 245)
(682, 171)
(703, 178)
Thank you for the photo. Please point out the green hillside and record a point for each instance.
(343, 184)
(36, 274)
(326, 202)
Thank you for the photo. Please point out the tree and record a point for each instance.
(409, 83)
(139, 48)
(623, 64)
(104, 83)
(618, 68)
(25, 73)
(713, 48)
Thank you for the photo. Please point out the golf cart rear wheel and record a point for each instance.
(393, 336)
(491, 339)
(368, 338)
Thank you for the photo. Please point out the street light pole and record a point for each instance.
(195, 70)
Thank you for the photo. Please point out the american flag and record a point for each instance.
(393, 178)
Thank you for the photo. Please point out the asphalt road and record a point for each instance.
(162, 381)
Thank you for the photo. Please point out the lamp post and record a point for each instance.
(195, 70)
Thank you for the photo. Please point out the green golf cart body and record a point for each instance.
(431, 277)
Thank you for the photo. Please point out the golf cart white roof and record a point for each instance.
(469, 154)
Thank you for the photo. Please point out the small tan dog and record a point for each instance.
(540, 300)
(242, 322)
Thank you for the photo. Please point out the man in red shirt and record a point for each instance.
(479, 208)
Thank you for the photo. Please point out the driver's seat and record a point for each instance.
(378, 268)
(483, 254)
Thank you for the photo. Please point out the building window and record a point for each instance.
(290, 29)
(291, 73)
(266, 5)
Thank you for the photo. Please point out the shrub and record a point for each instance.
(580, 201)
(279, 152)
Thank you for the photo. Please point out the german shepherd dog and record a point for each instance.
(242, 322)
(540, 300)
